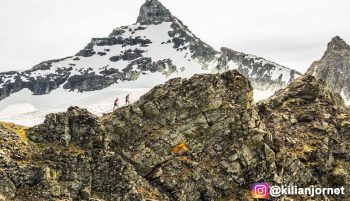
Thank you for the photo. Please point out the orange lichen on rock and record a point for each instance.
(180, 149)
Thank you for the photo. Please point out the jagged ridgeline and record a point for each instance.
(156, 48)
(189, 139)
(334, 67)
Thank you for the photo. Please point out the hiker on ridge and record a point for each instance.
(127, 99)
(116, 104)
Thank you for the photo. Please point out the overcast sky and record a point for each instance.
(290, 32)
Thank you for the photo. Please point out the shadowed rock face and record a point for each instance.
(189, 139)
(334, 67)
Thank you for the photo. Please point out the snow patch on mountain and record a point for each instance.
(259, 95)
(17, 109)
(158, 48)
(26, 109)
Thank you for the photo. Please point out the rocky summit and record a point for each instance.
(189, 139)
(153, 12)
(156, 48)
(334, 67)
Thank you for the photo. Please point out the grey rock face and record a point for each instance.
(310, 133)
(189, 139)
(334, 67)
(64, 128)
(264, 74)
(153, 12)
(88, 82)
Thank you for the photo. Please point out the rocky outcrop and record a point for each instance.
(310, 129)
(140, 152)
(187, 131)
(66, 159)
(190, 139)
(334, 67)
(153, 12)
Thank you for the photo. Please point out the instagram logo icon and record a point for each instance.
(260, 190)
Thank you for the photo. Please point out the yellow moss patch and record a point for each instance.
(227, 105)
(22, 135)
(301, 153)
(342, 116)
(179, 149)
(307, 148)
(291, 102)
(213, 106)
(339, 169)
(250, 96)
(19, 130)
(75, 150)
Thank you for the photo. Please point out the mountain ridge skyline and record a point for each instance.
(136, 56)
(75, 32)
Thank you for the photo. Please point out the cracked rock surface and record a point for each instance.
(189, 139)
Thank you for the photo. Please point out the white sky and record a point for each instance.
(290, 32)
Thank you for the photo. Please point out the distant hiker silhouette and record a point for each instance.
(116, 104)
(127, 99)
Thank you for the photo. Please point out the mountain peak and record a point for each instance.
(334, 67)
(153, 12)
(337, 43)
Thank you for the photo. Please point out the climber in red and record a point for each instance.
(116, 105)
